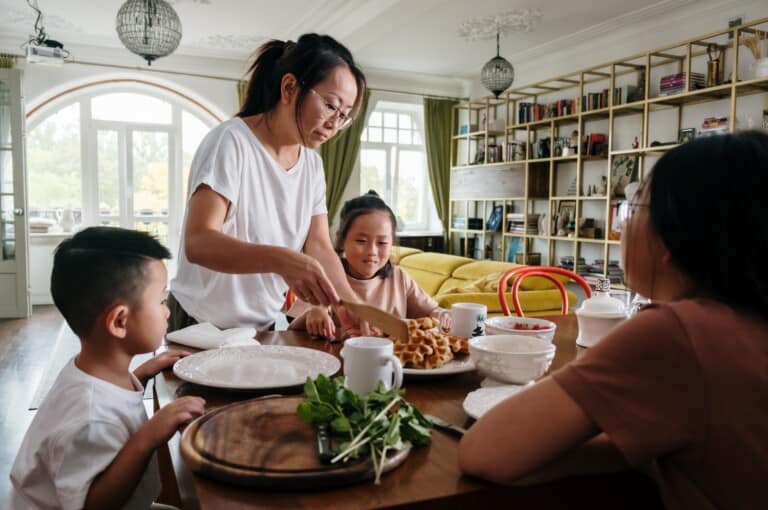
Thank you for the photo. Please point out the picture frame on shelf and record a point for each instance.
(624, 170)
(566, 217)
(686, 135)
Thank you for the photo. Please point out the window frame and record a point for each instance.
(392, 156)
(89, 128)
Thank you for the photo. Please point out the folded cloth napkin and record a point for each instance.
(207, 336)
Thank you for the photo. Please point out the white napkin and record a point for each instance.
(207, 336)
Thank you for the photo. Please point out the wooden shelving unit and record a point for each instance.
(490, 169)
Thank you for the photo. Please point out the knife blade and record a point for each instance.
(390, 324)
(444, 425)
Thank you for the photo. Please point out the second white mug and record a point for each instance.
(368, 360)
(467, 319)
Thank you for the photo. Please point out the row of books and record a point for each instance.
(532, 112)
(521, 223)
(675, 83)
(614, 271)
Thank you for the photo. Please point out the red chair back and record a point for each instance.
(547, 272)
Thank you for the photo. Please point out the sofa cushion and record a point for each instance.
(531, 301)
(400, 252)
(478, 269)
(429, 281)
(439, 263)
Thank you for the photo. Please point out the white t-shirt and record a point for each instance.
(268, 205)
(80, 427)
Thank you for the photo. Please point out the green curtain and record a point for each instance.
(7, 61)
(242, 90)
(437, 131)
(339, 157)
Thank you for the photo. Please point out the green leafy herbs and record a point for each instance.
(368, 425)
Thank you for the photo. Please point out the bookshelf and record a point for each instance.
(556, 155)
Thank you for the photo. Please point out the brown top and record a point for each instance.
(398, 294)
(683, 390)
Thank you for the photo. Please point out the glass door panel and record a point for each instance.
(373, 172)
(107, 163)
(150, 173)
(14, 275)
(411, 191)
(7, 202)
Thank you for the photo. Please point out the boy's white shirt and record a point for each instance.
(78, 430)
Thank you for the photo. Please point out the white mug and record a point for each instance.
(368, 360)
(467, 319)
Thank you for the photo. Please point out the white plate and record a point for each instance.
(255, 367)
(455, 366)
(478, 402)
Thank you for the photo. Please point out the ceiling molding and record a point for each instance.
(600, 29)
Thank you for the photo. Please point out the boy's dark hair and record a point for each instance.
(359, 206)
(97, 267)
(310, 60)
(700, 207)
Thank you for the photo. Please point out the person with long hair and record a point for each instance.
(256, 221)
(681, 389)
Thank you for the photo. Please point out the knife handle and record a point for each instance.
(324, 448)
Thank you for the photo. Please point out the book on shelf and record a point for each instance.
(595, 144)
(494, 220)
(675, 83)
(520, 223)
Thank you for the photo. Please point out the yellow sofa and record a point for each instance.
(452, 279)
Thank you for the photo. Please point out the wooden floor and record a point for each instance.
(25, 350)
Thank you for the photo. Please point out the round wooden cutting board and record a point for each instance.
(263, 444)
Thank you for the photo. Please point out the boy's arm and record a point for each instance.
(113, 487)
(154, 366)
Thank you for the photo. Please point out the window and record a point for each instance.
(394, 164)
(115, 155)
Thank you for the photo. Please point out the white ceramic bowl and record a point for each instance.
(506, 326)
(511, 358)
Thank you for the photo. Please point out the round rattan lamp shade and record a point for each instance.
(149, 28)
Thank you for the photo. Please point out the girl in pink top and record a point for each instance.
(364, 242)
(679, 391)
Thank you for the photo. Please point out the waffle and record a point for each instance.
(426, 347)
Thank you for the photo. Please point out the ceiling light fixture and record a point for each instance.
(498, 73)
(148, 28)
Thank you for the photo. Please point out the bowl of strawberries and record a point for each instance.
(525, 326)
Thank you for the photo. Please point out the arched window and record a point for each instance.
(115, 153)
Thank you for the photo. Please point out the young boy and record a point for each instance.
(90, 444)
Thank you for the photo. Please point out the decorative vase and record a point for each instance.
(67, 221)
(760, 68)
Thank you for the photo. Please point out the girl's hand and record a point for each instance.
(154, 366)
(308, 281)
(445, 322)
(319, 323)
(172, 417)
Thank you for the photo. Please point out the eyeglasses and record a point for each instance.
(333, 112)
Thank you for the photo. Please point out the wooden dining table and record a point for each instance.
(429, 478)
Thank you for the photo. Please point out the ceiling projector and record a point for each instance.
(50, 53)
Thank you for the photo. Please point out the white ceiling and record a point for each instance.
(400, 35)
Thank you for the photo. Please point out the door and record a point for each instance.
(14, 237)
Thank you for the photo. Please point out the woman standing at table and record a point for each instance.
(256, 221)
(681, 389)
